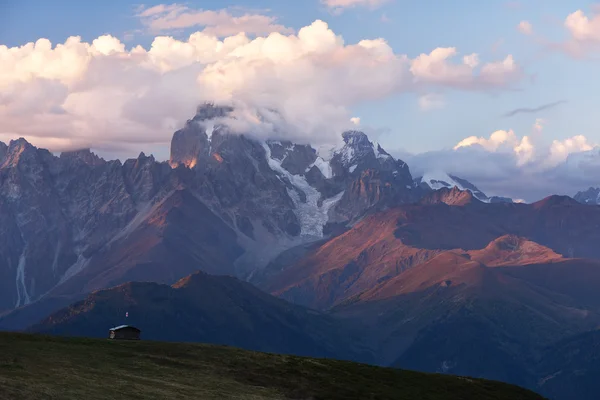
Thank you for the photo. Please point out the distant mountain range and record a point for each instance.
(368, 262)
(438, 180)
(590, 196)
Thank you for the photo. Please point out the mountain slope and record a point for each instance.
(383, 245)
(569, 368)
(455, 315)
(79, 215)
(211, 309)
(34, 366)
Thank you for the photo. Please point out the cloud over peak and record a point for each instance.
(100, 94)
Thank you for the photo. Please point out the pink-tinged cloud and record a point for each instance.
(339, 6)
(507, 164)
(219, 23)
(102, 94)
(436, 67)
(525, 27)
(431, 101)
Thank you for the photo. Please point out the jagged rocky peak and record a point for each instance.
(193, 143)
(435, 180)
(357, 148)
(297, 159)
(358, 154)
(83, 155)
(18, 150)
(590, 196)
(356, 139)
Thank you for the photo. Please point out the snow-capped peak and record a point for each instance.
(439, 179)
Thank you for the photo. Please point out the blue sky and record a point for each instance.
(488, 28)
(414, 27)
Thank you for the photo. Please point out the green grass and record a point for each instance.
(42, 367)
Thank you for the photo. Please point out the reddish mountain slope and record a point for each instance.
(384, 245)
(349, 264)
(454, 314)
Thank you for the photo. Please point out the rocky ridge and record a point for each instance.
(436, 180)
(64, 215)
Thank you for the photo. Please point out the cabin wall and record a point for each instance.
(124, 335)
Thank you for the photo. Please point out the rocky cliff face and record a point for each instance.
(66, 217)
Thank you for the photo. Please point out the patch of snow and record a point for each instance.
(323, 166)
(408, 187)
(312, 217)
(347, 153)
(352, 168)
(76, 268)
(435, 178)
(55, 260)
(22, 295)
(380, 153)
(210, 129)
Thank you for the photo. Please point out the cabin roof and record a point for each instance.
(116, 328)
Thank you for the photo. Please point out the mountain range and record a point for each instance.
(344, 254)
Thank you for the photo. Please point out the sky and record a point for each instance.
(503, 93)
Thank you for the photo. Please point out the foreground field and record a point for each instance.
(41, 367)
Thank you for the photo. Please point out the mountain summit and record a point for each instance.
(76, 223)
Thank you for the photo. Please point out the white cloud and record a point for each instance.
(583, 34)
(436, 67)
(506, 164)
(560, 150)
(525, 27)
(219, 23)
(340, 5)
(431, 101)
(104, 95)
(355, 120)
(582, 28)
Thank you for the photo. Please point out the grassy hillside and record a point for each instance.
(41, 367)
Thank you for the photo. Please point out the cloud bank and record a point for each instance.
(106, 96)
(522, 167)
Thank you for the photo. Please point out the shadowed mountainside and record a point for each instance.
(209, 309)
